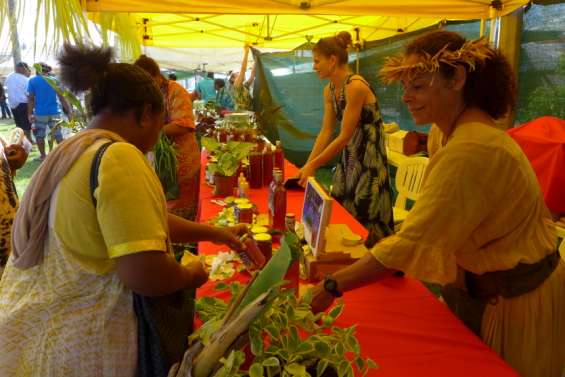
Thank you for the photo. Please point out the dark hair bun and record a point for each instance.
(83, 66)
(344, 40)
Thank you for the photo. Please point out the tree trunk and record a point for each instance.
(16, 51)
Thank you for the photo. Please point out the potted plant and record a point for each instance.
(229, 158)
(284, 337)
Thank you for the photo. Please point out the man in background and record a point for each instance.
(205, 88)
(43, 109)
(6, 113)
(16, 88)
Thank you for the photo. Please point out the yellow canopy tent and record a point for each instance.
(285, 24)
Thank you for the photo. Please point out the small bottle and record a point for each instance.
(279, 156)
(267, 165)
(244, 189)
(290, 222)
(277, 202)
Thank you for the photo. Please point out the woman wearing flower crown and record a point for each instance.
(480, 226)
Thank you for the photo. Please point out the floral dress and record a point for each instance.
(361, 182)
(8, 206)
(178, 110)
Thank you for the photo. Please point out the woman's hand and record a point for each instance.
(321, 299)
(307, 171)
(16, 156)
(230, 236)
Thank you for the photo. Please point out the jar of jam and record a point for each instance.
(265, 243)
(244, 213)
(258, 229)
(251, 255)
(290, 222)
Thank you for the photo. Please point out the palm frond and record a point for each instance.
(63, 21)
(124, 29)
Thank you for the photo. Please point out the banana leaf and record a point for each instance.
(274, 271)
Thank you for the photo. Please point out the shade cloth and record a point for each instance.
(400, 324)
(543, 142)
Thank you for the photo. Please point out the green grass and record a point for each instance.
(24, 174)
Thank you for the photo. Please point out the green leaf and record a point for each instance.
(321, 367)
(272, 273)
(307, 297)
(304, 348)
(336, 311)
(294, 338)
(339, 349)
(353, 344)
(256, 341)
(273, 331)
(322, 348)
(256, 370)
(221, 287)
(343, 368)
(359, 363)
(372, 364)
(295, 369)
(210, 144)
(271, 362)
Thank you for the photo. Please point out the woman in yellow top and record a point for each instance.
(66, 296)
(480, 226)
(180, 128)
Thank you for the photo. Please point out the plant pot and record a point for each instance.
(223, 186)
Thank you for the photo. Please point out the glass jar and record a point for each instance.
(265, 243)
(244, 213)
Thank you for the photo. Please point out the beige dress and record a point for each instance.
(481, 209)
(71, 315)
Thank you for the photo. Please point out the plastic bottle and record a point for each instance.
(279, 157)
(277, 202)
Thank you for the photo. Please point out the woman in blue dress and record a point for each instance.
(361, 182)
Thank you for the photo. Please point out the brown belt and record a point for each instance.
(469, 305)
(511, 283)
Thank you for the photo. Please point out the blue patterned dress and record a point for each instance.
(361, 182)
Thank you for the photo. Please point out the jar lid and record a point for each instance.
(262, 237)
(244, 206)
(239, 201)
(290, 214)
(257, 229)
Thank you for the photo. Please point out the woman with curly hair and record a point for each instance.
(480, 227)
(83, 252)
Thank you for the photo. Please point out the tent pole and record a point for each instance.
(509, 38)
(483, 27)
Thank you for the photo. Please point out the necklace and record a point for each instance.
(453, 125)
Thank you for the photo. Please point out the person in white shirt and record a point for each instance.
(16, 88)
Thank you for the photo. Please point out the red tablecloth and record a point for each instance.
(543, 142)
(400, 324)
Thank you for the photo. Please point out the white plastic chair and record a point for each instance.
(409, 177)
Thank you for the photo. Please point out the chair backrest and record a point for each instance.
(409, 177)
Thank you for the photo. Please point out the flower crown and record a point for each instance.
(471, 53)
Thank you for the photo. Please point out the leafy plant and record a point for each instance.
(285, 337)
(229, 155)
(166, 166)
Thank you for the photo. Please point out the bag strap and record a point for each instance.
(95, 167)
